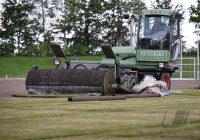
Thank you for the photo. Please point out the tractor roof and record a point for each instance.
(166, 12)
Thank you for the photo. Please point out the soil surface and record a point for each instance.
(11, 86)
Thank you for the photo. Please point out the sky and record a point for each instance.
(187, 28)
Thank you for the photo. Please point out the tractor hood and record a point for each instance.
(123, 51)
(129, 57)
(125, 54)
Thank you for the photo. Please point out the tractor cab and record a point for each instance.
(158, 35)
(154, 33)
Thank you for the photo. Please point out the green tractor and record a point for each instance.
(122, 67)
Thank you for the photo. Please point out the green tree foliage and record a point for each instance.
(161, 4)
(195, 13)
(40, 14)
(115, 29)
(78, 49)
(135, 7)
(6, 49)
(114, 16)
(66, 22)
(81, 25)
(87, 27)
(17, 29)
(43, 13)
(81, 19)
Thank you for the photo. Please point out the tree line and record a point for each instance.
(80, 26)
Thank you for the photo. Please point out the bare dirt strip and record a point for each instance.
(11, 86)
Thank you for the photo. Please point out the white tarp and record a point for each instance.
(150, 85)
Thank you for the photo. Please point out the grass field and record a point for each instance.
(19, 66)
(130, 119)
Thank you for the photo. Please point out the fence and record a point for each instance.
(188, 69)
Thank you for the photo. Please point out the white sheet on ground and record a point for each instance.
(152, 85)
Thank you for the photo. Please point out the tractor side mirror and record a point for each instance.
(57, 51)
(107, 50)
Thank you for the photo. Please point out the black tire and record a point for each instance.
(103, 66)
(80, 65)
(167, 79)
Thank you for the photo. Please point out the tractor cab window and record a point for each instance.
(154, 32)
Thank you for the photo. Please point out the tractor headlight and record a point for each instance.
(57, 61)
(35, 67)
(161, 65)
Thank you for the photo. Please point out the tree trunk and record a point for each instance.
(43, 19)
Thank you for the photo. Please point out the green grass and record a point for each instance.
(130, 119)
(19, 66)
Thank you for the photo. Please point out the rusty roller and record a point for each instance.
(68, 81)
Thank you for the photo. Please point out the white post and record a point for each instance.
(181, 70)
(197, 32)
(198, 59)
(194, 68)
(198, 51)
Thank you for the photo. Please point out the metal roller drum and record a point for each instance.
(66, 81)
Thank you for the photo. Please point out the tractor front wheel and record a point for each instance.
(167, 79)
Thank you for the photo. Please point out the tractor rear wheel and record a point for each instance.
(167, 79)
